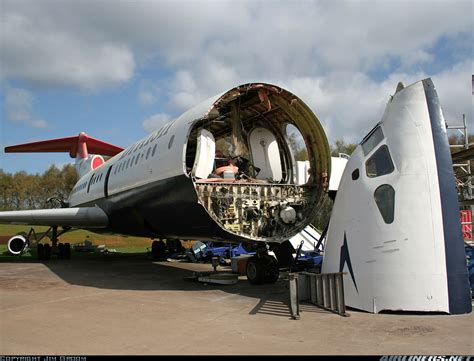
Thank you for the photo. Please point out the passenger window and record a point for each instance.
(371, 140)
(379, 163)
(385, 199)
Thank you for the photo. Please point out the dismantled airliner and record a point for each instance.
(253, 165)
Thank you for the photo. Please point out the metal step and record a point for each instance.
(325, 290)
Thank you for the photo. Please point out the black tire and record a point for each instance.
(179, 246)
(67, 251)
(60, 250)
(158, 250)
(154, 250)
(255, 271)
(40, 251)
(47, 251)
(272, 271)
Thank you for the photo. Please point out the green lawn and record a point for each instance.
(123, 245)
(30, 255)
(78, 236)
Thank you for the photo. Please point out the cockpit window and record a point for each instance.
(385, 198)
(371, 141)
(380, 163)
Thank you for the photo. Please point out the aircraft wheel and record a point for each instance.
(272, 271)
(154, 250)
(255, 271)
(67, 251)
(47, 251)
(40, 251)
(61, 251)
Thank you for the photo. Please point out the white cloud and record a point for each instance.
(54, 57)
(146, 98)
(155, 121)
(148, 94)
(349, 104)
(344, 58)
(454, 90)
(19, 107)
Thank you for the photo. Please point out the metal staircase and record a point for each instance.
(462, 157)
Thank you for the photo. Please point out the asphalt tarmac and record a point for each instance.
(130, 305)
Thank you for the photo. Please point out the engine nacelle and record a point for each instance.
(17, 244)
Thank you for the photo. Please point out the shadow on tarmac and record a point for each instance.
(135, 272)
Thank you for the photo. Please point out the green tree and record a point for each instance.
(342, 147)
(324, 212)
(6, 186)
(30, 191)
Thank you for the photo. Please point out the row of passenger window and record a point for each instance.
(126, 163)
(96, 178)
(151, 138)
(80, 187)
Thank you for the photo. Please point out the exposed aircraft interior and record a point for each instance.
(258, 163)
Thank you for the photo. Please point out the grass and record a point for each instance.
(78, 236)
(123, 245)
(30, 255)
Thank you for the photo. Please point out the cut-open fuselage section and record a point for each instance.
(246, 158)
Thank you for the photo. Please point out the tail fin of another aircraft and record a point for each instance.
(78, 147)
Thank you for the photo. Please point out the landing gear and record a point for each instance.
(40, 251)
(67, 250)
(158, 250)
(45, 250)
(262, 268)
(272, 272)
(64, 251)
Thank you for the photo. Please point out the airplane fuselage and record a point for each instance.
(156, 187)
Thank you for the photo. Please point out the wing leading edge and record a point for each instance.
(86, 217)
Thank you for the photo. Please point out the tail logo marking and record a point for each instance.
(346, 258)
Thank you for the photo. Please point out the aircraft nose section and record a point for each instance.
(395, 223)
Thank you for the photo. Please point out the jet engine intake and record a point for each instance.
(17, 244)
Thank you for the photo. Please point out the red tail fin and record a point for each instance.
(78, 145)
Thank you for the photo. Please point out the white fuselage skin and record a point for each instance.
(160, 158)
(166, 161)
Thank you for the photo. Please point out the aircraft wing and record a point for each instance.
(86, 217)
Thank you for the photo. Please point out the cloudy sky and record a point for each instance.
(119, 69)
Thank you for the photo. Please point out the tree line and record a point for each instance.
(31, 191)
